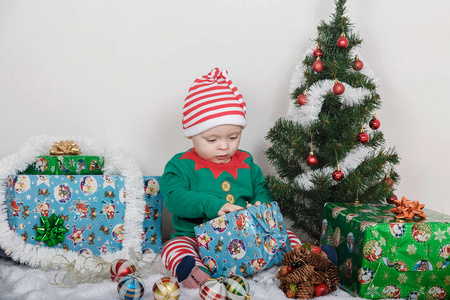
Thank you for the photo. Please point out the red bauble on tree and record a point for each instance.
(363, 137)
(302, 99)
(392, 199)
(375, 123)
(318, 65)
(338, 88)
(342, 42)
(317, 52)
(357, 64)
(387, 179)
(338, 175)
(312, 159)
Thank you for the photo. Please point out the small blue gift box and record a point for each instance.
(92, 207)
(243, 242)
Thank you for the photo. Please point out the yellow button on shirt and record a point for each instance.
(226, 186)
(230, 198)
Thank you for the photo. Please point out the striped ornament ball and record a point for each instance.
(213, 289)
(166, 288)
(120, 268)
(131, 287)
(237, 288)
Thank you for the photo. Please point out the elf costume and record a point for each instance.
(194, 189)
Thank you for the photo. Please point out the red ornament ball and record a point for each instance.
(338, 88)
(318, 66)
(388, 180)
(302, 99)
(338, 175)
(342, 42)
(317, 52)
(363, 138)
(358, 64)
(311, 160)
(321, 289)
(375, 124)
(391, 200)
(213, 289)
(121, 268)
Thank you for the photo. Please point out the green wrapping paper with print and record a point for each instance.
(66, 165)
(381, 257)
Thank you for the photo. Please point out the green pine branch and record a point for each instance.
(332, 137)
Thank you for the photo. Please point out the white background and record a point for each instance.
(118, 72)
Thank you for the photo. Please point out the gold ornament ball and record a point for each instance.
(166, 288)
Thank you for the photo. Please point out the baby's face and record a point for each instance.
(218, 144)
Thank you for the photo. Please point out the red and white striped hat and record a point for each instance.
(212, 100)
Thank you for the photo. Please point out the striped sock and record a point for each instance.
(190, 275)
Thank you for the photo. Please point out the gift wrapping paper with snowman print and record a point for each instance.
(243, 242)
(383, 257)
(92, 207)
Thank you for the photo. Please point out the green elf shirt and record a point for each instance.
(194, 190)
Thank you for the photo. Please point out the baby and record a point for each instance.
(211, 179)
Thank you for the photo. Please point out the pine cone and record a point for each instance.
(318, 277)
(318, 261)
(305, 290)
(297, 275)
(333, 278)
(292, 256)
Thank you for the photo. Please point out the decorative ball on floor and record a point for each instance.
(131, 287)
(237, 288)
(120, 268)
(213, 289)
(166, 288)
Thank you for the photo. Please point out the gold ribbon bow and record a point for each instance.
(65, 148)
(407, 209)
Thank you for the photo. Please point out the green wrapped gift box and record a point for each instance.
(66, 165)
(381, 257)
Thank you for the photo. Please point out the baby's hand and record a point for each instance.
(256, 203)
(227, 208)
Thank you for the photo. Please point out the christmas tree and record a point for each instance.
(329, 147)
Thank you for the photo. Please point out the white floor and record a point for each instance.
(19, 282)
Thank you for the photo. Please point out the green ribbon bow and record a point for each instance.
(51, 230)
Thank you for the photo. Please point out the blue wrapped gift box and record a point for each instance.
(243, 242)
(92, 207)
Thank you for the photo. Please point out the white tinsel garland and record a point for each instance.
(307, 114)
(116, 163)
(348, 164)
